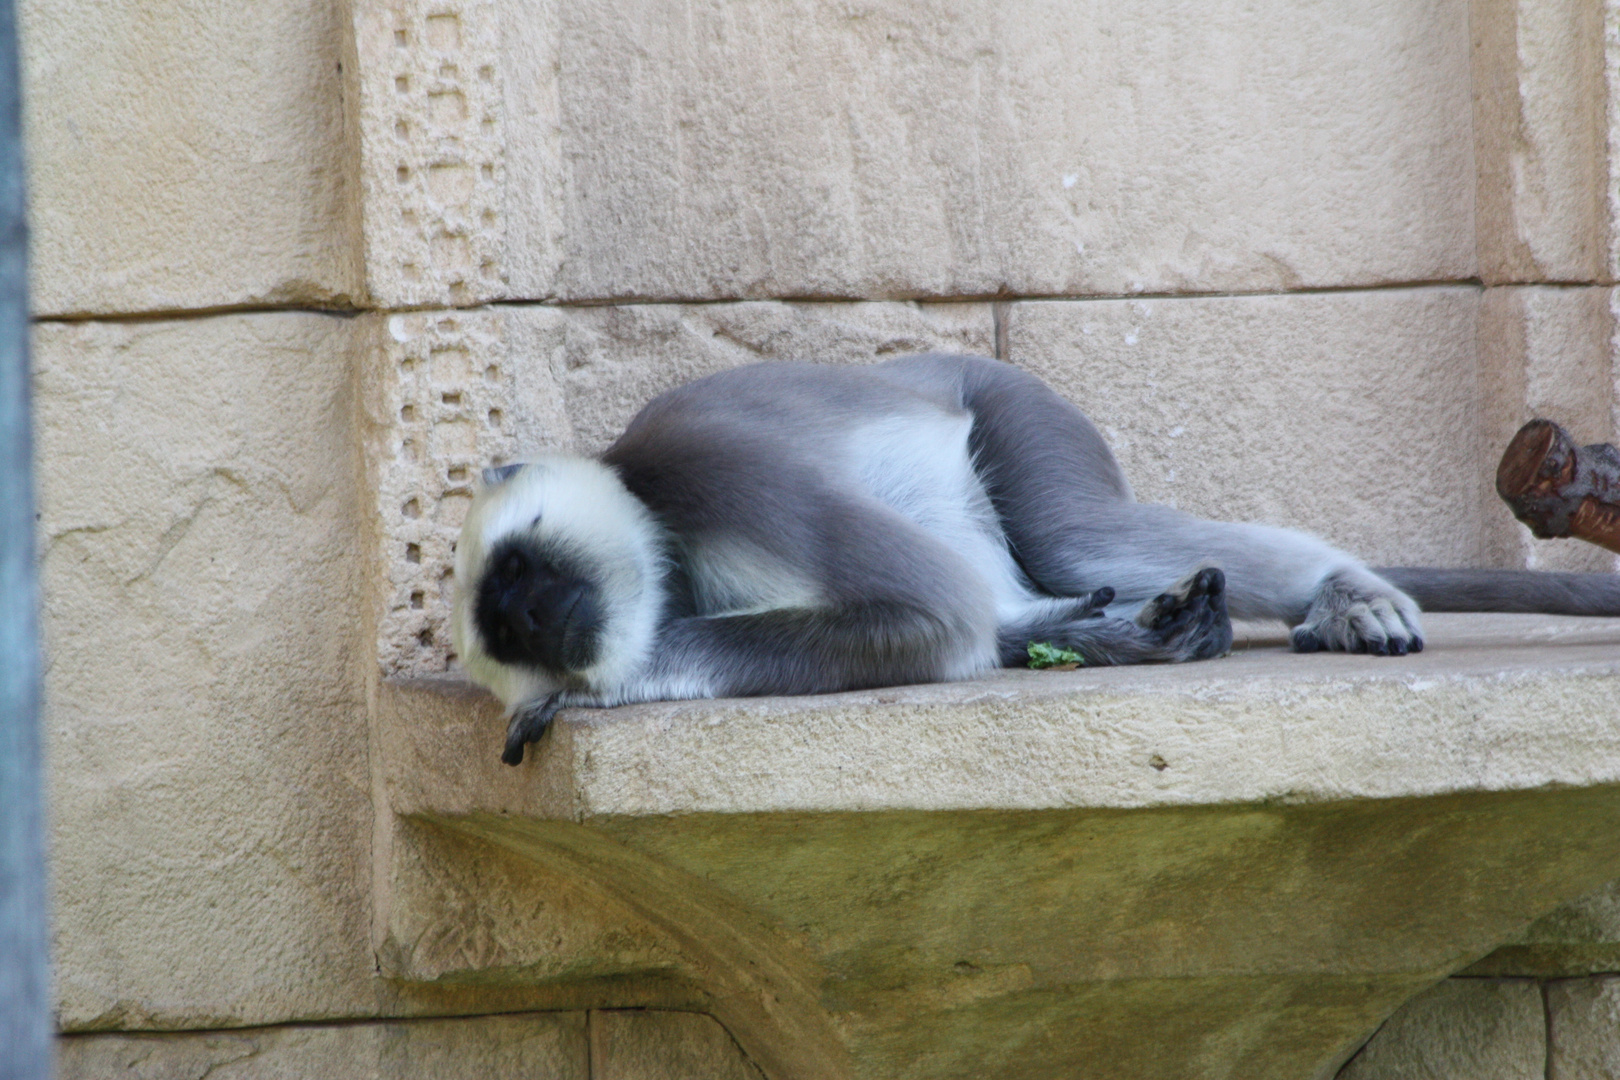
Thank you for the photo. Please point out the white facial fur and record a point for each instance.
(580, 504)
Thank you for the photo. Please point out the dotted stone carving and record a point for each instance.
(431, 165)
(432, 156)
(443, 401)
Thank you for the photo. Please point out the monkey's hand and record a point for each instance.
(1355, 610)
(529, 722)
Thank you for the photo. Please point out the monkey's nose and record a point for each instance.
(551, 608)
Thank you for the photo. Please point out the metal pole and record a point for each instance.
(25, 1023)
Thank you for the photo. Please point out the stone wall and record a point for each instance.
(1499, 1029)
(300, 267)
(1545, 1006)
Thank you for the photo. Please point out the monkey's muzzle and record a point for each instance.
(529, 612)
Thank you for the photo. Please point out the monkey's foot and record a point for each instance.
(528, 724)
(1190, 621)
(1355, 610)
(1187, 623)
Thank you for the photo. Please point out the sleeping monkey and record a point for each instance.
(794, 528)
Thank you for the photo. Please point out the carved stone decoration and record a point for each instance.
(431, 151)
(429, 138)
(440, 402)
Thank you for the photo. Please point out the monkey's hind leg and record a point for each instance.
(1187, 622)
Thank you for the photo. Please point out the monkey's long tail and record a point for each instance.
(1536, 591)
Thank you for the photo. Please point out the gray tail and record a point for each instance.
(1536, 591)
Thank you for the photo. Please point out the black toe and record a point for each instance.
(1210, 581)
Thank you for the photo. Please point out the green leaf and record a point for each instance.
(1044, 655)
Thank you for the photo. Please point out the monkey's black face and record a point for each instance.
(533, 612)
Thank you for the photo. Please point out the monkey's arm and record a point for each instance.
(844, 646)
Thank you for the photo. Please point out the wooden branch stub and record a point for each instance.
(1560, 489)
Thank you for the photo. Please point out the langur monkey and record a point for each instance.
(793, 528)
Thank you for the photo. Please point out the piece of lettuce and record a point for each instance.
(1044, 655)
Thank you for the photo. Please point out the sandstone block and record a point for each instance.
(186, 156)
(441, 398)
(548, 1045)
(1301, 411)
(1541, 88)
(661, 1045)
(1233, 731)
(1545, 352)
(430, 149)
(1580, 938)
(1585, 1031)
(200, 544)
(959, 149)
(1461, 1029)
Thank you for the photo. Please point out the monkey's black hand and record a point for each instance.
(528, 724)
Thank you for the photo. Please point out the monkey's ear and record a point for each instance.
(500, 474)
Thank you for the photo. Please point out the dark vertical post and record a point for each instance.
(25, 1036)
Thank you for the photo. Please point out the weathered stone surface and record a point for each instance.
(959, 149)
(186, 156)
(447, 914)
(660, 1045)
(617, 150)
(439, 403)
(1545, 352)
(538, 920)
(200, 549)
(999, 878)
(431, 149)
(541, 1045)
(1585, 1029)
(1461, 1029)
(1498, 702)
(1352, 415)
(1543, 211)
(1580, 938)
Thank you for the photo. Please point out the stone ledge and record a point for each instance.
(1497, 703)
(998, 878)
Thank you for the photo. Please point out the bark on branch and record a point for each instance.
(1560, 489)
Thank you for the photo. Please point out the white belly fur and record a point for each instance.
(918, 464)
